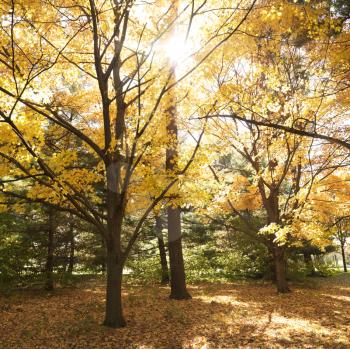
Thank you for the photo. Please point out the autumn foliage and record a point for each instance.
(223, 124)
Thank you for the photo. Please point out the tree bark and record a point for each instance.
(280, 263)
(49, 284)
(271, 204)
(162, 252)
(271, 263)
(344, 258)
(114, 312)
(177, 268)
(115, 262)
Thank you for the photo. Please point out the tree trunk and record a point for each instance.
(271, 264)
(163, 262)
(114, 259)
(280, 264)
(114, 312)
(162, 252)
(66, 256)
(49, 284)
(344, 258)
(103, 257)
(271, 204)
(177, 268)
(309, 263)
(71, 250)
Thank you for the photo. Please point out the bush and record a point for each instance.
(15, 257)
(324, 268)
(200, 264)
(297, 270)
(203, 263)
(146, 269)
(235, 264)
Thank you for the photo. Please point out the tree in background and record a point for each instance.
(273, 78)
(343, 234)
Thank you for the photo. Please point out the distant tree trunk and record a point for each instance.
(309, 263)
(343, 257)
(66, 256)
(280, 264)
(104, 266)
(71, 249)
(177, 268)
(162, 252)
(49, 284)
(103, 257)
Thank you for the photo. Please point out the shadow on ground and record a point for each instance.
(248, 315)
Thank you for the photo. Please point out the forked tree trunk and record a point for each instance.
(343, 257)
(162, 252)
(49, 284)
(177, 268)
(280, 264)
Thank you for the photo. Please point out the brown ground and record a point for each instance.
(237, 315)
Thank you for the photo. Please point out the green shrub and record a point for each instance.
(203, 263)
(144, 269)
(15, 257)
(324, 268)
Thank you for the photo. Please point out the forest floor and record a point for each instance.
(231, 315)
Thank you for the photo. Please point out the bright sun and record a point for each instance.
(176, 49)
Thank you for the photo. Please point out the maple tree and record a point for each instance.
(268, 93)
(91, 90)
